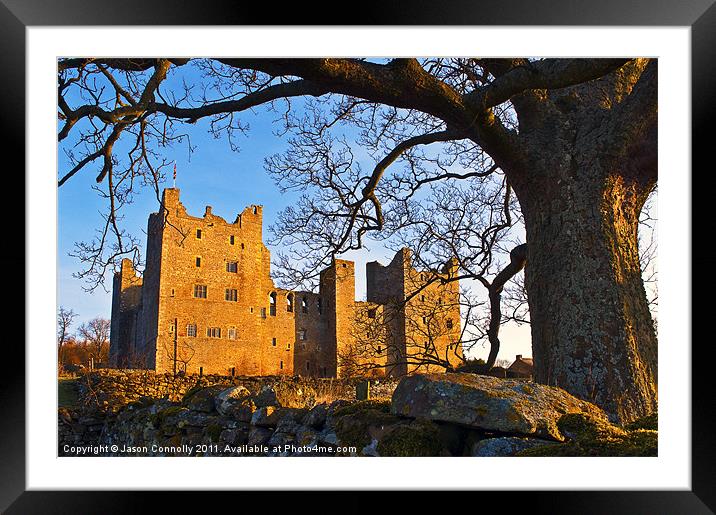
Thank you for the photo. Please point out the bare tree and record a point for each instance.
(95, 334)
(418, 334)
(504, 363)
(180, 355)
(65, 317)
(575, 139)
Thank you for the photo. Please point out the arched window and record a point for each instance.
(272, 304)
(304, 305)
(289, 302)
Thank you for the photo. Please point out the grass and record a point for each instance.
(68, 396)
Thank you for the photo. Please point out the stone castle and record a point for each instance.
(206, 304)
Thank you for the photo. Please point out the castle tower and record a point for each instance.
(126, 298)
(338, 296)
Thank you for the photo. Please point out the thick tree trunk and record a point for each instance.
(592, 331)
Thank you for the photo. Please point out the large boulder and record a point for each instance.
(489, 403)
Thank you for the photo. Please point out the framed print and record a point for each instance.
(446, 262)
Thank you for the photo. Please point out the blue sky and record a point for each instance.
(212, 175)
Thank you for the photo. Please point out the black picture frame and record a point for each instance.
(17, 15)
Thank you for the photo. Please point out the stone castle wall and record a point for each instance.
(206, 304)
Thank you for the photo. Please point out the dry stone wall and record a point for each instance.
(428, 415)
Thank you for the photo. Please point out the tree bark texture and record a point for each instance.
(592, 331)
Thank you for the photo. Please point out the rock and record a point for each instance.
(65, 415)
(328, 437)
(287, 424)
(270, 416)
(286, 394)
(359, 423)
(259, 436)
(316, 418)
(226, 400)
(265, 416)
(202, 399)
(233, 436)
(591, 436)
(371, 449)
(419, 438)
(489, 403)
(189, 418)
(278, 443)
(306, 435)
(505, 446)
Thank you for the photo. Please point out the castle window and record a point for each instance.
(308, 365)
(273, 342)
(448, 323)
(272, 303)
(200, 291)
(213, 332)
(256, 210)
(191, 330)
(231, 295)
(198, 234)
(171, 328)
(231, 239)
(242, 246)
(231, 333)
(380, 349)
(288, 346)
(280, 365)
(172, 292)
(425, 320)
(304, 305)
(302, 334)
(371, 313)
(289, 303)
(198, 261)
(232, 266)
(422, 298)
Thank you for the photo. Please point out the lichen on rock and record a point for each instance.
(419, 438)
(590, 436)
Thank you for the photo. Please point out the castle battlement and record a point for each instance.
(206, 303)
